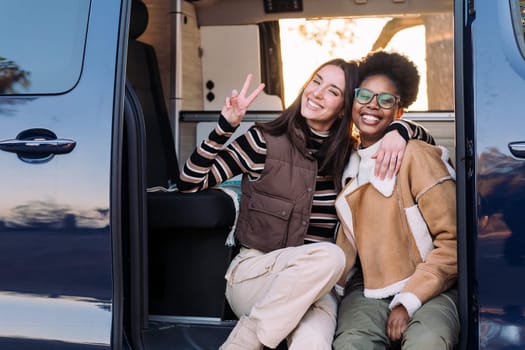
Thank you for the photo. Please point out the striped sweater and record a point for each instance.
(212, 163)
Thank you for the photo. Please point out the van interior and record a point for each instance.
(184, 58)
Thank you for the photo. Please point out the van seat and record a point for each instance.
(182, 229)
(167, 209)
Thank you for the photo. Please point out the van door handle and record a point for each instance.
(517, 149)
(57, 146)
(37, 145)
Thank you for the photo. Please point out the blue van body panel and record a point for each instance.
(56, 289)
(499, 119)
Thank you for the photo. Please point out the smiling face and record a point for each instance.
(323, 98)
(370, 118)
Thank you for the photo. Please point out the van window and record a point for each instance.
(425, 39)
(45, 57)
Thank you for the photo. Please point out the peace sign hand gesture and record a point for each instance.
(235, 106)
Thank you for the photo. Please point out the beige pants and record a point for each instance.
(287, 293)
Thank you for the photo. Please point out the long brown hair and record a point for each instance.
(335, 151)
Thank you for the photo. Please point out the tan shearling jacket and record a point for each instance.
(404, 229)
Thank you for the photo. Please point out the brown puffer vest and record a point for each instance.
(275, 209)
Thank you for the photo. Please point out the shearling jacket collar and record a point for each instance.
(385, 186)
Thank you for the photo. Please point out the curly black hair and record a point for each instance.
(401, 70)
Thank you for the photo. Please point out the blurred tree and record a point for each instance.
(329, 33)
(11, 74)
(439, 54)
(332, 34)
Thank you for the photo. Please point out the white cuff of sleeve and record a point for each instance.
(339, 290)
(409, 300)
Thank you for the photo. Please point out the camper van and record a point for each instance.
(102, 102)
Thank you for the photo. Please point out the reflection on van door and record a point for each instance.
(59, 92)
(496, 136)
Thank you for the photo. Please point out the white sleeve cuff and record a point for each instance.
(409, 300)
(340, 291)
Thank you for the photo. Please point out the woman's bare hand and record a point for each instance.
(397, 323)
(390, 154)
(235, 106)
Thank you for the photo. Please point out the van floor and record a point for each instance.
(183, 336)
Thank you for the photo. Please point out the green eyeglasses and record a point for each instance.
(384, 99)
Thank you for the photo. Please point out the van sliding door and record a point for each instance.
(490, 73)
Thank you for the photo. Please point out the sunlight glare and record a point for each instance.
(301, 56)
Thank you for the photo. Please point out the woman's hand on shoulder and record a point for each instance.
(390, 155)
(235, 106)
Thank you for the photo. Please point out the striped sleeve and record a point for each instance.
(410, 130)
(211, 163)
